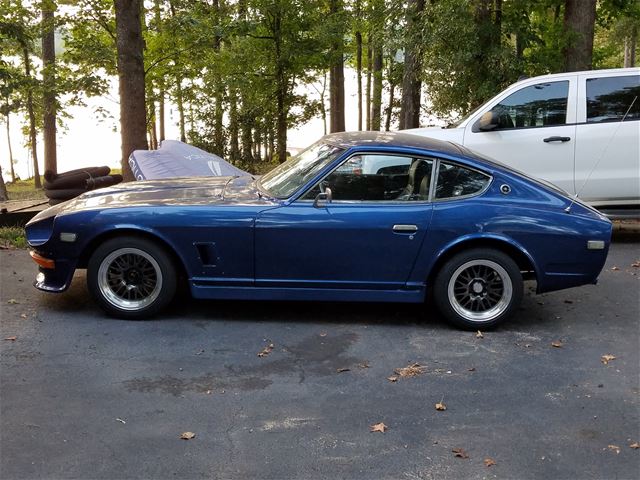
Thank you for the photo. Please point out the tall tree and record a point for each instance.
(336, 71)
(358, 38)
(411, 80)
(579, 23)
(3, 188)
(49, 85)
(33, 136)
(133, 121)
(377, 39)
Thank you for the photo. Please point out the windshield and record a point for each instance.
(285, 179)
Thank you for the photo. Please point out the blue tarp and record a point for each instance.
(176, 159)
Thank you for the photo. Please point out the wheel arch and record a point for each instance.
(104, 236)
(517, 252)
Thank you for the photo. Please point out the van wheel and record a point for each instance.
(131, 277)
(478, 289)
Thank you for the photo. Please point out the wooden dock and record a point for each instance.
(16, 213)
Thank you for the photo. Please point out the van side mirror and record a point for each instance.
(323, 198)
(487, 122)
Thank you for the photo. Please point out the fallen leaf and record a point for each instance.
(266, 350)
(187, 435)
(557, 344)
(378, 427)
(208, 392)
(472, 369)
(441, 406)
(568, 301)
(23, 315)
(340, 370)
(393, 378)
(199, 352)
(636, 264)
(614, 448)
(460, 453)
(410, 370)
(607, 358)
(323, 334)
(615, 268)
(363, 365)
(11, 339)
(121, 421)
(479, 334)
(635, 445)
(13, 301)
(489, 462)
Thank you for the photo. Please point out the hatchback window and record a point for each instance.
(609, 98)
(456, 181)
(378, 178)
(540, 105)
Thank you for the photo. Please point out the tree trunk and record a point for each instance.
(180, 103)
(33, 138)
(49, 86)
(233, 126)
(358, 36)
(579, 23)
(411, 83)
(3, 188)
(13, 173)
(630, 48)
(129, 45)
(219, 137)
(376, 100)
(368, 92)
(153, 132)
(161, 87)
(323, 106)
(281, 90)
(387, 123)
(336, 74)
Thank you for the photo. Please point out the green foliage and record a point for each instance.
(12, 237)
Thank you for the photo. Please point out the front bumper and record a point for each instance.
(57, 279)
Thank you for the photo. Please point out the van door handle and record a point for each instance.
(556, 139)
(405, 228)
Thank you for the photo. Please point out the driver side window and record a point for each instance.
(370, 177)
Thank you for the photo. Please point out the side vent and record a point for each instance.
(207, 254)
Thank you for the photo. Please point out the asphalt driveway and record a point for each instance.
(86, 396)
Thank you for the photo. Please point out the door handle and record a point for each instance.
(405, 228)
(556, 139)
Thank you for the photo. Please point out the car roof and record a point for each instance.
(389, 139)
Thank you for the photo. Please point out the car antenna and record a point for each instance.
(579, 191)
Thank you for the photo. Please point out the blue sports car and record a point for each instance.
(375, 217)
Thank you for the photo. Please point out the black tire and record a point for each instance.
(151, 256)
(49, 176)
(478, 288)
(64, 194)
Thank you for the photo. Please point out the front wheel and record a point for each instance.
(131, 277)
(478, 289)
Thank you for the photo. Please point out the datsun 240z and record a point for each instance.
(374, 217)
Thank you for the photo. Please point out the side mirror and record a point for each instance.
(488, 121)
(323, 198)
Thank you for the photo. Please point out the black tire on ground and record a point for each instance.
(93, 171)
(114, 299)
(75, 180)
(64, 193)
(484, 260)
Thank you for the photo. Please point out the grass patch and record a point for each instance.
(24, 190)
(12, 237)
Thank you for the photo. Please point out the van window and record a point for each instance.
(540, 105)
(609, 98)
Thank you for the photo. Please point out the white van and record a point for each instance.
(566, 128)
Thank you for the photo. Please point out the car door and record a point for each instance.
(536, 130)
(608, 148)
(366, 237)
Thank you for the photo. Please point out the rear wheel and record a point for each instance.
(478, 289)
(131, 277)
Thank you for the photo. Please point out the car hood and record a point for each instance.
(455, 135)
(169, 192)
